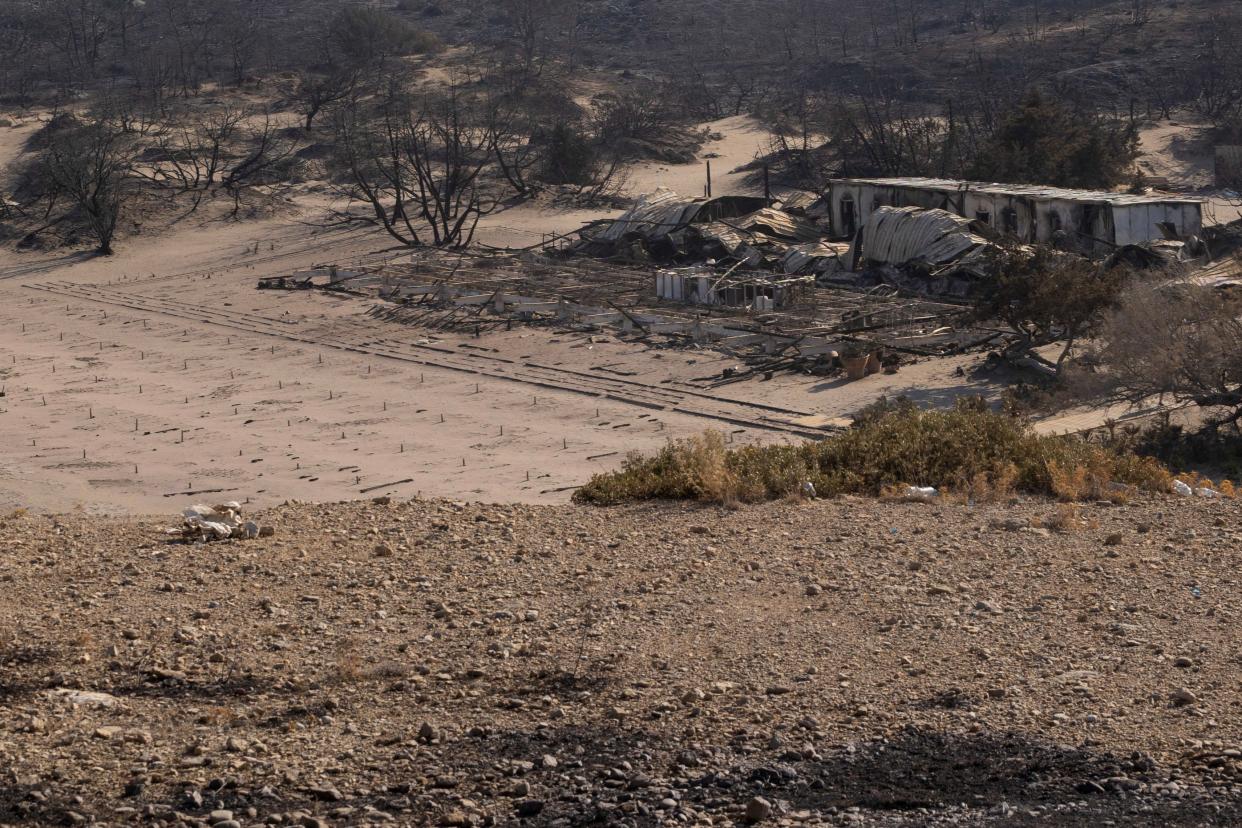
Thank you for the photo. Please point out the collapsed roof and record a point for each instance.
(745, 229)
(926, 250)
(899, 235)
(656, 215)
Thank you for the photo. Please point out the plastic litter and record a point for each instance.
(1181, 488)
(921, 492)
(808, 489)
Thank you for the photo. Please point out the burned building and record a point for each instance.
(1081, 220)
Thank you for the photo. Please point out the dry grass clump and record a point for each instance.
(1068, 518)
(969, 451)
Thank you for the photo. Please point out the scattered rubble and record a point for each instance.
(213, 523)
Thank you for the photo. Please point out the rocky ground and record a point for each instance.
(435, 663)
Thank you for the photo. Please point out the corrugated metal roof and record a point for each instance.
(895, 235)
(655, 215)
(730, 238)
(779, 223)
(801, 258)
(1024, 190)
(797, 200)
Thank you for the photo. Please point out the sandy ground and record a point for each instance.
(114, 407)
(160, 375)
(134, 382)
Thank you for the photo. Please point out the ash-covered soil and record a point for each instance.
(430, 663)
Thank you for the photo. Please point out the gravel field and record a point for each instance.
(437, 663)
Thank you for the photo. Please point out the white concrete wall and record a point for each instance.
(1120, 224)
(1137, 223)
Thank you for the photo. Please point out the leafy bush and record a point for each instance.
(1043, 141)
(571, 158)
(968, 449)
(364, 35)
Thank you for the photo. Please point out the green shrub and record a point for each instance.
(956, 450)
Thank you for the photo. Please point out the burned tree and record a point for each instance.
(314, 92)
(88, 167)
(531, 22)
(230, 150)
(418, 164)
(364, 37)
(1174, 340)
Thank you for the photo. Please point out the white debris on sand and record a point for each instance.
(1185, 490)
(210, 523)
(921, 492)
(84, 698)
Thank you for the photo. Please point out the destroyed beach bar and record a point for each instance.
(1082, 220)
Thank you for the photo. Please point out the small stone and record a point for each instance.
(326, 793)
(813, 589)
(1183, 661)
(758, 809)
(219, 816)
(548, 761)
(529, 807)
(382, 550)
(1113, 540)
(1182, 697)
